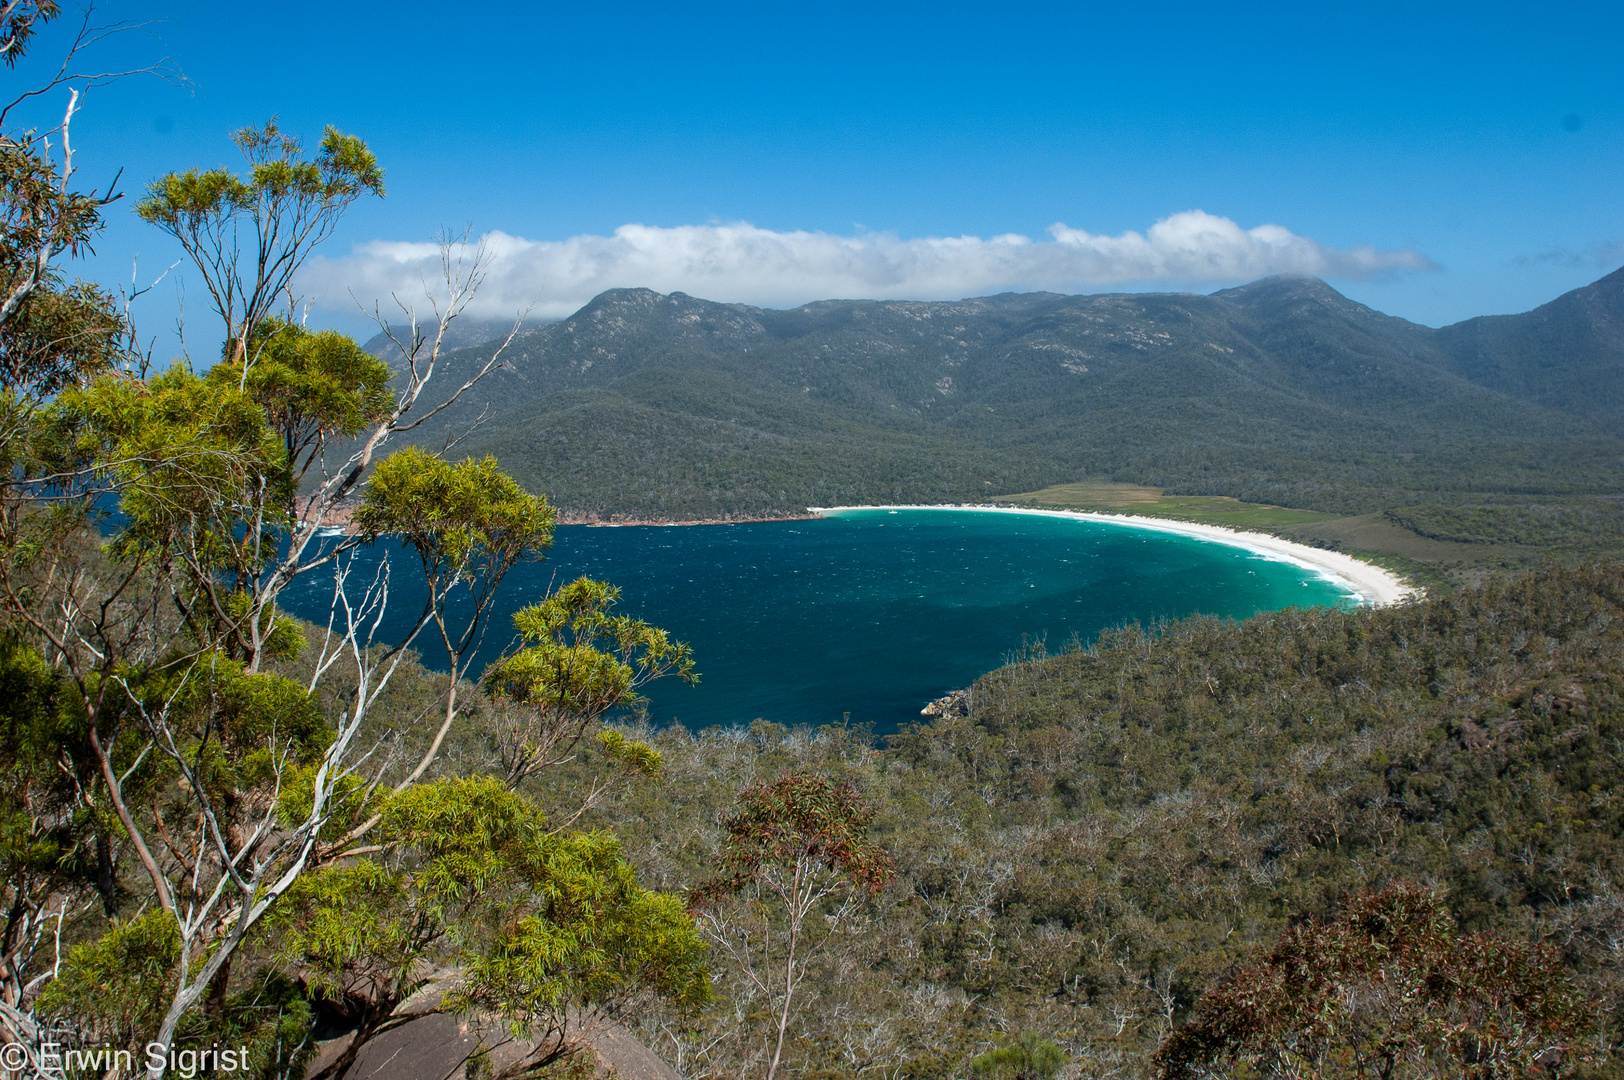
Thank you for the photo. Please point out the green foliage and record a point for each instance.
(1028, 1057)
(1578, 526)
(351, 794)
(579, 658)
(116, 990)
(315, 387)
(634, 756)
(240, 731)
(343, 170)
(59, 336)
(57, 834)
(252, 727)
(39, 724)
(593, 937)
(340, 924)
(576, 662)
(119, 985)
(281, 636)
(454, 515)
(539, 922)
(1391, 988)
(38, 218)
(799, 818)
(188, 457)
(468, 833)
(19, 24)
(269, 1015)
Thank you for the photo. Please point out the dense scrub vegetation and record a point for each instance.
(1577, 526)
(1109, 830)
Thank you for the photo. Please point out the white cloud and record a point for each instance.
(743, 264)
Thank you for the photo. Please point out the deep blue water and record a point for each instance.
(875, 612)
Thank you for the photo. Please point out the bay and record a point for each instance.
(867, 615)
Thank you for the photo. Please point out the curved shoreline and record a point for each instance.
(1372, 584)
(596, 522)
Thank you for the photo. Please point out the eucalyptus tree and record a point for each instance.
(151, 656)
(43, 214)
(207, 471)
(468, 523)
(795, 863)
(248, 235)
(547, 927)
(577, 661)
(58, 842)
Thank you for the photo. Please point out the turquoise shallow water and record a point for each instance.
(875, 612)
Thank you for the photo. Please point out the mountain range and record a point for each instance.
(1282, 391)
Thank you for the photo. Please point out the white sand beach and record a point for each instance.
(1372, 584)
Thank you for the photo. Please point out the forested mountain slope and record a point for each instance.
(1568, 354)
(1281, 391)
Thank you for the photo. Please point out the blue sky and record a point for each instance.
(1474, 154)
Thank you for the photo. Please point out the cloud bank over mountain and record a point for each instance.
(740, 263)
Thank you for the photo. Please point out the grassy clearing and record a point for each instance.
(1434, 564)
(1108, 497)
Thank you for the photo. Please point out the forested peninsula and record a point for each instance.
(1092, 840)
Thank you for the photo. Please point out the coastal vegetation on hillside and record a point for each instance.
(1096, 838)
